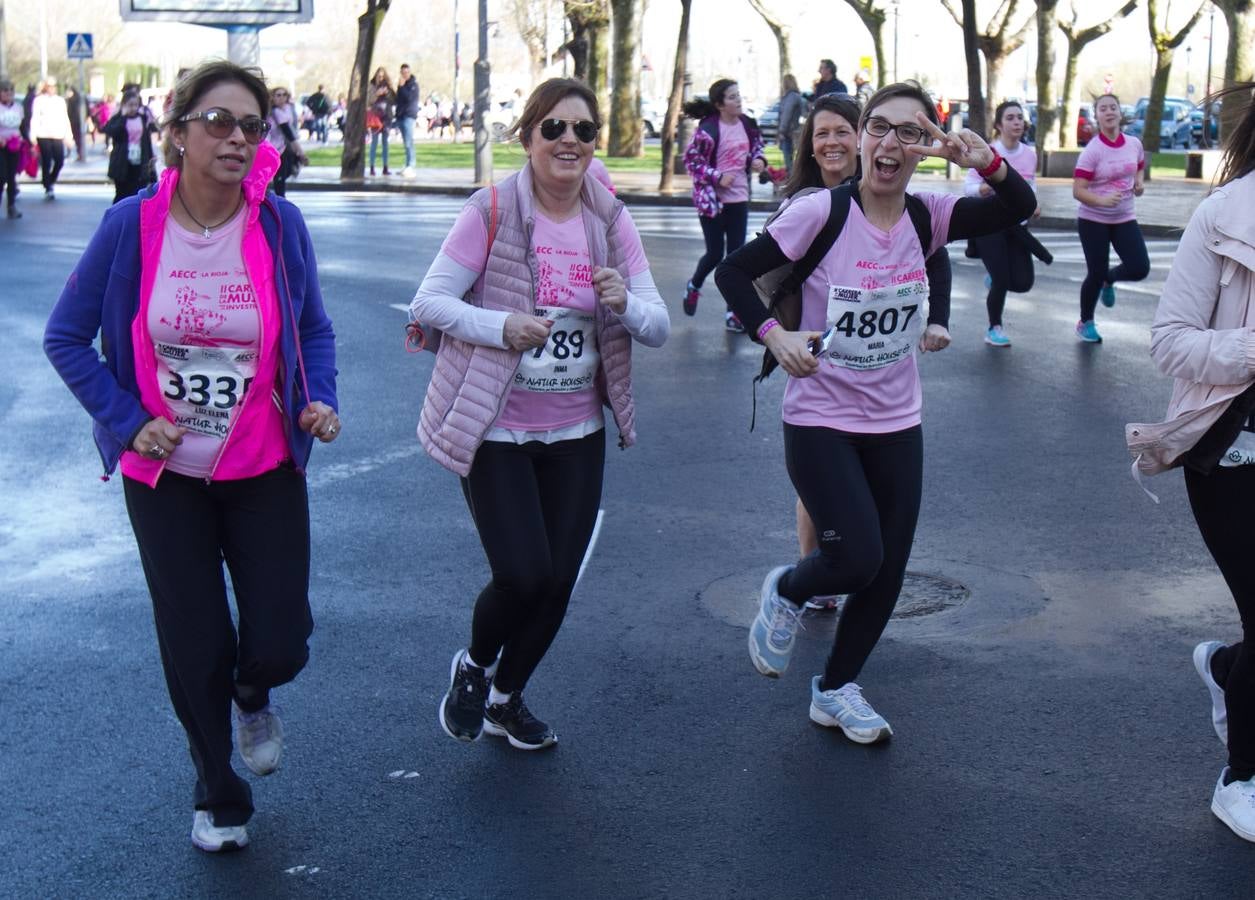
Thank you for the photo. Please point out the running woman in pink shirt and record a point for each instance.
(852, 436)
(1109, 174)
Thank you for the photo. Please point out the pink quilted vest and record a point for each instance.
(469, 382)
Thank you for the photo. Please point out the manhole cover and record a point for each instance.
(734, 599)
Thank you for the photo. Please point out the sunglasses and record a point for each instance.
(221, 124)
(585, 131)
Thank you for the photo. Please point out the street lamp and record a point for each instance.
(896, 5)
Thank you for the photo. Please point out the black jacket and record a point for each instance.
(407, 99)
(119, 166)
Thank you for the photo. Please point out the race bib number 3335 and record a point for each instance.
(873, 328)
(203, 386)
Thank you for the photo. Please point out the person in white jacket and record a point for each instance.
(50, 127)
(1203, 336)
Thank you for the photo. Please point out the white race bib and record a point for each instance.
(873, 328)
(204, 386)
(569, 359)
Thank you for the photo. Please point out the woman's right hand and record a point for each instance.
(792, 350)
(524, 332)
(158, 438)
(726, 179)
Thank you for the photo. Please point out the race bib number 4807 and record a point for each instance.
(873, 328)
(568, 361)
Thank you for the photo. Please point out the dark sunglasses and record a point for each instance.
(585, 131)
(221, 124)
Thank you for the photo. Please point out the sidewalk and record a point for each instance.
(1162, 212)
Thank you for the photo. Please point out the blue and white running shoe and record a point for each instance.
(774, 628)
(846, 709)
(996, 337)
(1088, 333)
(1108, 295)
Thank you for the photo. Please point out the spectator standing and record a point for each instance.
(11, 116)
(50, 127)
(319, 107)
(828, 82)
(792, 109)
(863, 89)
(407, 115)
(382, 96)
(131, 159)
(76, 122)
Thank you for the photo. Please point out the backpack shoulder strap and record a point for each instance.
(922, 219)
(827, 236)
(710, 125)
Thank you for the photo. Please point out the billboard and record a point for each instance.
(218, 12)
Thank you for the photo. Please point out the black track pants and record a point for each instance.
(1097, 238)
(724, 233)
(1010, 268)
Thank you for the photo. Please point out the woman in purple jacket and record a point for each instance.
(725, 148)
(218, 371)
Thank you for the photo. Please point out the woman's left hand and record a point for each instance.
(321, 421)
(611, 291)
(935, 337)
(964, 147)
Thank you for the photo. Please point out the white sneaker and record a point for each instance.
(408, 172)
(209, 837)
(845, 708)
(259, 738)
(1234, 804)
(1202, 665)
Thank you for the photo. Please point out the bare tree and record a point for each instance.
(589, 47)
(626, 138)
(971, 56)
(996, 41)
(531, 18)
(672, 121)
(1078, 39)
(781, 31)
(1046, 136)
(353, 160)
(1239, 64)
(1164, 42)
(873, 18)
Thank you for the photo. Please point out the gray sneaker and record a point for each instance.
(774, 628)
(259, 738)
(846, 709)
(1202, 665)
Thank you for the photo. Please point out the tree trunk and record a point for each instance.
(1046, 137)
(590, 23)
(993, 79)
(1164, 43)
(625, 101)
(1239, 64)
(353, 158)
(532, 24)
(781, 32)
(1071, 99)
(971, 53)
(673, 102)
(873, 20)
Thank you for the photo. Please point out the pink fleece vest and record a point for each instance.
(470, 381)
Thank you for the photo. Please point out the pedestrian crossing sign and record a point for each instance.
(78, 45)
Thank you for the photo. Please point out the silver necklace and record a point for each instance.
(205, 229)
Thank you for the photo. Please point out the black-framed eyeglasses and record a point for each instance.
(585, 131)
(906, 132)
(221, 124)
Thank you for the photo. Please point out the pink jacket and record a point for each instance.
(470, 381)
(253, 448)
(1204, 330)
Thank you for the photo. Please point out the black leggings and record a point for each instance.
(8, 173)
(534, 506)
(863, 493)
(185, 529)
(51, 159)
(1010, 268)
(1221, 503)
(726, 229)
(1096, 240)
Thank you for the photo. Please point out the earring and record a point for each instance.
(180, 151)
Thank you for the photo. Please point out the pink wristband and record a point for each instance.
(766, 327)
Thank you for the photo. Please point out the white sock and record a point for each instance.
(495, 697)
(491, 671)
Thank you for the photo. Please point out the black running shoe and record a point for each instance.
(462, 708)
(513, 721)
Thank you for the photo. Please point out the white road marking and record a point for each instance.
(342, 471)
(403, 307)
(592, 543)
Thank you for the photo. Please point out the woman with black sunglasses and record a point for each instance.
(218, 372)
(540, 289)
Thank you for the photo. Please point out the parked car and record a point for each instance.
(769, 123)
(1174, 126)
(653, 115)
(1086, 125)
(1213, 127)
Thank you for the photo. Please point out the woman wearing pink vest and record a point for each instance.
(539, 290)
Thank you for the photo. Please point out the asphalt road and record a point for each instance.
(1051, 737)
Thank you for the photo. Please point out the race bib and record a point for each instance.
(204, 386)
(870, 328)
(568, 361)
(134, 154)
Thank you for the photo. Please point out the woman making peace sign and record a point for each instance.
(852, 437)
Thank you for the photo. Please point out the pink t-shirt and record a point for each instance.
(866, 264)
(734, 152)
(1111, 168)
(206, 329)
(564, 290)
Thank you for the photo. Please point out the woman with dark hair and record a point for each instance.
(211, 389)
(380, 96)
(852, 437)
(131, 152)
(828, 157)
(1006, 255)
(1110, 172)
(1202, 337)
(539, 290)
(725, 148)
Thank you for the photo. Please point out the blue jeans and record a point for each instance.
(786, 149)
(406, 125)
(374, 142)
